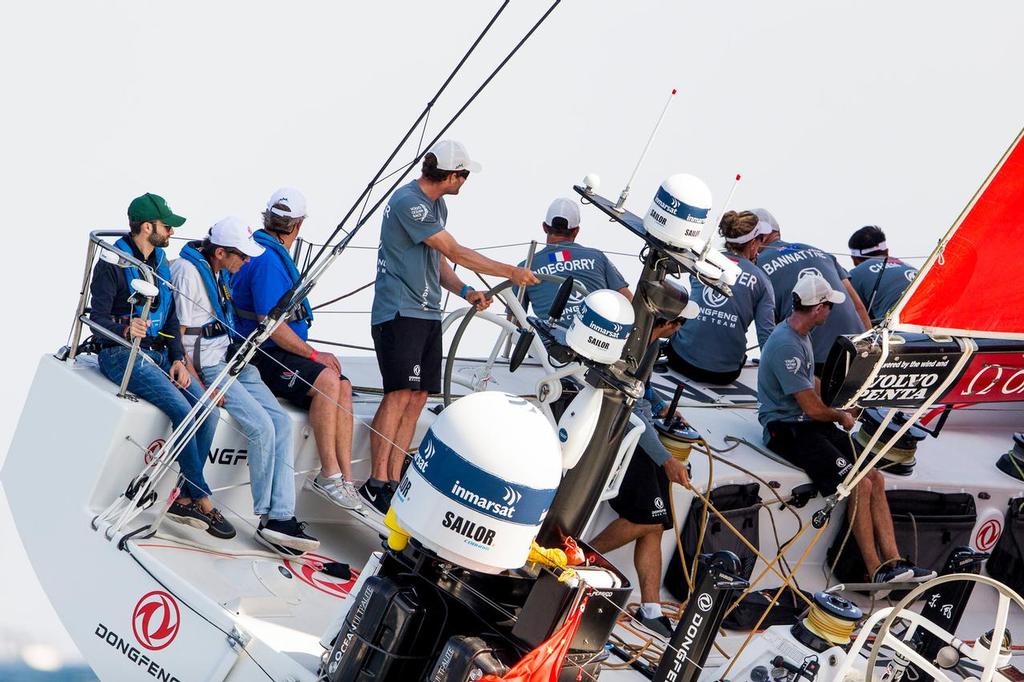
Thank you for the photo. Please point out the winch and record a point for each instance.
(1012, 461)
(900, 458)
(678, 437)
(829, 622)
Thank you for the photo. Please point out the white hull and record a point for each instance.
(77, 446)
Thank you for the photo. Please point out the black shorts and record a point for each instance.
(408, 353)
(821, 449)
(643, 495)
(704, 376)
(294, 380)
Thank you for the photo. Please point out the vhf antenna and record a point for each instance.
(714, 225)
(625, 190)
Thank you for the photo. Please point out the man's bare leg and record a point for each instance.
(343, 430)
(619, 533)
(863, 524)
(323, 418)
(647, 560)
(385, 428)
(404, 434)
(885, 534)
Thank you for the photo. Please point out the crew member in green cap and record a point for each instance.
(165, 382)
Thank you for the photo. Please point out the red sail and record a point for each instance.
(967, 286)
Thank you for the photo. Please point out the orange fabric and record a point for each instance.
(971, 289)
(544, 663)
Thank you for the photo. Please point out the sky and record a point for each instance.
(836, 115)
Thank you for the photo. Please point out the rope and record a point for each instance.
(832, 628)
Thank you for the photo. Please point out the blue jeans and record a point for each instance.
(269, 430)
(151, 384)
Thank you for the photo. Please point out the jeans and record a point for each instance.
(151, 384)
(269, 430)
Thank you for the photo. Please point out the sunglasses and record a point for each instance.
(235, 252)
(462, 174)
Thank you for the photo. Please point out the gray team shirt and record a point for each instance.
(586, 265)
(408, 271)
(785, 264)
(716, 340)
(787, 367)
(887, 287)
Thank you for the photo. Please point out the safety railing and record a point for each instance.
(119, 259)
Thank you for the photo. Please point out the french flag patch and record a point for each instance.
(559, 256)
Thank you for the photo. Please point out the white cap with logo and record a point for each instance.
(567, 209)
(812, 289)
(452, 156)
(293, 201)
(233, 233)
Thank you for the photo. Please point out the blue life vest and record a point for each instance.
(218, 290)
(162, 303)
(271, 243)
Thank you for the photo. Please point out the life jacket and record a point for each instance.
(270, 242)
(218, 291)
(162, 303)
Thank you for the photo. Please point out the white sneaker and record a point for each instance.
(337, 491)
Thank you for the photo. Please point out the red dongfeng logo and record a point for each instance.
(153, 448)
(988, 535)
(155, 620)
(308, 571)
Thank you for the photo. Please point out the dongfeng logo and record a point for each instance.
(712, 298)
(155, 620)
(806, 272)
(704, 601)
(910, 275)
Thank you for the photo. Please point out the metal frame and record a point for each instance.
(96, 241)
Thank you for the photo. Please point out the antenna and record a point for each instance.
(643, 155)
(725, 207)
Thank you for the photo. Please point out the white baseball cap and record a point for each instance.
(567, 209)
(764, 216)
(452, 156)
(291, 198)
(812, 289)
(233, 233)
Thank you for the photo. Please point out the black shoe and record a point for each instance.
(895, 572)
(660, 625)
(286, 552)
(219, 526)
(287, 533)
(376, 499)
(920, 575)
(213, 522)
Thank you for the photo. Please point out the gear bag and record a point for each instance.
(1007, 561)
(740, 505)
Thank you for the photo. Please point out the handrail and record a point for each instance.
(96, 241)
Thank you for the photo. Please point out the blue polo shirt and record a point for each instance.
(258, 286)
(785, 263)
(787, 367)
(564, 259)
(879, 290)
(716, 340)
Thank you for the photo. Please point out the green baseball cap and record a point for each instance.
(150, 207)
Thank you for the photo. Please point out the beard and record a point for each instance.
(156, 240)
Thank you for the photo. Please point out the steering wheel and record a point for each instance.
(482, 375)
(988, 657)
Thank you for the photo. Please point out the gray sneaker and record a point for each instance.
(336, 491)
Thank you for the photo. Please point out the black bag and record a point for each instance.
(739, 504)
(1007, 561)
(928, 527)
(785, 612)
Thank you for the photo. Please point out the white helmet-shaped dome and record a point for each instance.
(601, 326)
(678, 213)
(474, 499)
